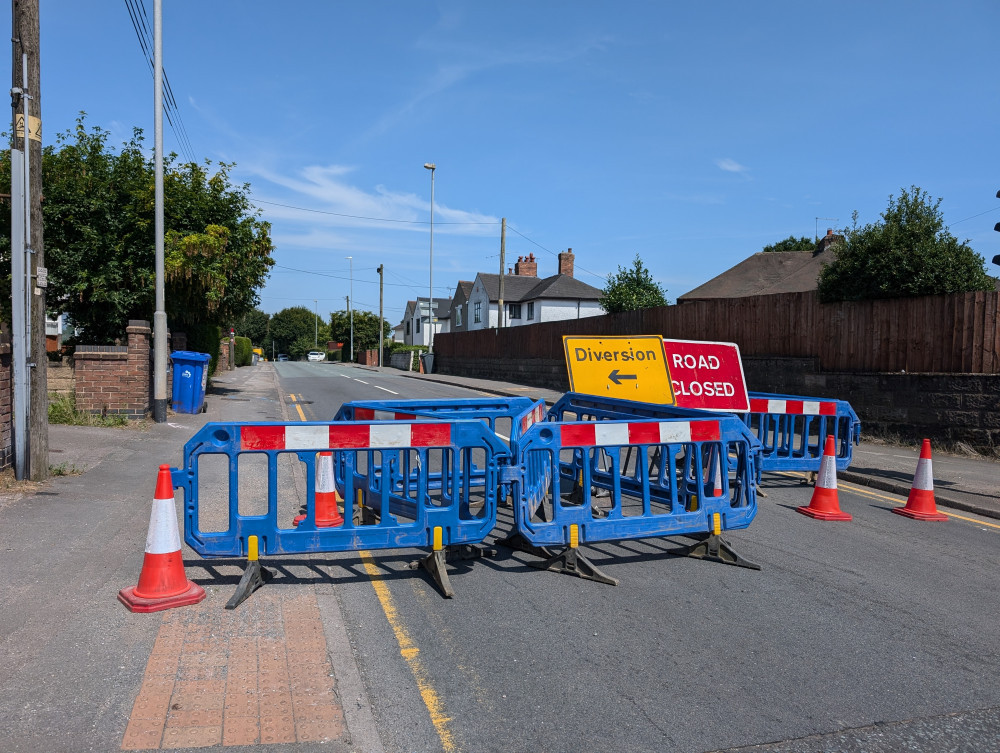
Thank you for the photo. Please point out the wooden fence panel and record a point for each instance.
(955, 333)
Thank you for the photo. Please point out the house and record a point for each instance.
(460, 306)
(527, 299)
(397, 333)
(415, 324)
(769, 272)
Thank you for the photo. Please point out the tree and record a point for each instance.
(791, 243)
(254, 324)
(365, 329)
(909, 253)
(293, 331)
(631, 289)
(99, 237)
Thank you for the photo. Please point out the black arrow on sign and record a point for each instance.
(615, 377)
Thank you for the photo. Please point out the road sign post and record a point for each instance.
(628, 368)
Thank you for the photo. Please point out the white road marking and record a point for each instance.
(360, 380)
(384, 388)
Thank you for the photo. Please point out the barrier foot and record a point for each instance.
(518, 542)
(571, 562)
(436, 564)
(761, 492)
(253, 578)
(713, 547)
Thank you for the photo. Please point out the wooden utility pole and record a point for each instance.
(25, 58)
(503, 241)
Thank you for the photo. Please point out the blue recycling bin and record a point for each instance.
(190, 380)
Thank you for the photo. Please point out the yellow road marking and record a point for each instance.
(298, 407)
(866, 492)
(411, 654)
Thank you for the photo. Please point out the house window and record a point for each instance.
(479, 312)
(514, 309)
(407, 328)
(418, 325)
(458, 317)
(531, 310)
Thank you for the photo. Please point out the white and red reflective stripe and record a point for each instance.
(602, 433)
(371, 414)
(794, 407)
(163, 537)
(536, 415)
(344, 436)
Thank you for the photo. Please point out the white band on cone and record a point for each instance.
(924, 477)
(827, 473)
(324, 477)
(163, 537)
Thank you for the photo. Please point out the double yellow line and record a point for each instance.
(407, 648)
(863, 491)
(298, 406)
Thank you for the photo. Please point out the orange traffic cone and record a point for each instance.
(824, 504)
(920, 504)
(162, 582)
(327, 512)
(717, 486)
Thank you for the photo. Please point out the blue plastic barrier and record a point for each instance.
(693, 476)
(459, 511)
(792, 430)
(516, 414)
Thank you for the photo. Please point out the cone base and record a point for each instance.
(919, 515)
(823, 514)
(320, 523)
(192, 595)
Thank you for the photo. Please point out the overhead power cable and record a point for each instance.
(141, 24)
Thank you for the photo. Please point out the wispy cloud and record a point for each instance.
(324, 195)
(731, 166)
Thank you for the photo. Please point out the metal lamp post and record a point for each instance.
(316, 313)
(350, 305)
(430, 298)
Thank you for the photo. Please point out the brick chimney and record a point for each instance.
(566, 262)
(830, 239)
(526, 266)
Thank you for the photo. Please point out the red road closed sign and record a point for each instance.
(707, 376)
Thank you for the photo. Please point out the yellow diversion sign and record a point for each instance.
(628, 368)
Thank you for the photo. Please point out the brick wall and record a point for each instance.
(60, 379)
(116, 378)
(943, 407)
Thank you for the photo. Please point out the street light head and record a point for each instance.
(430, 165)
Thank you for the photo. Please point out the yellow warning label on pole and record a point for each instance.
(34, 127)
(623, 367)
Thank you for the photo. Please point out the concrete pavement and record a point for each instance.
(81, 673)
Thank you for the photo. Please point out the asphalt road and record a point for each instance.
(877, 634)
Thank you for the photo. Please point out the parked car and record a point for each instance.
(282, 356)
(315, 355)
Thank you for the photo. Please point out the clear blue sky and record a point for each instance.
(691, 134)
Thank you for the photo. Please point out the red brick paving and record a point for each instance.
(257, 674)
